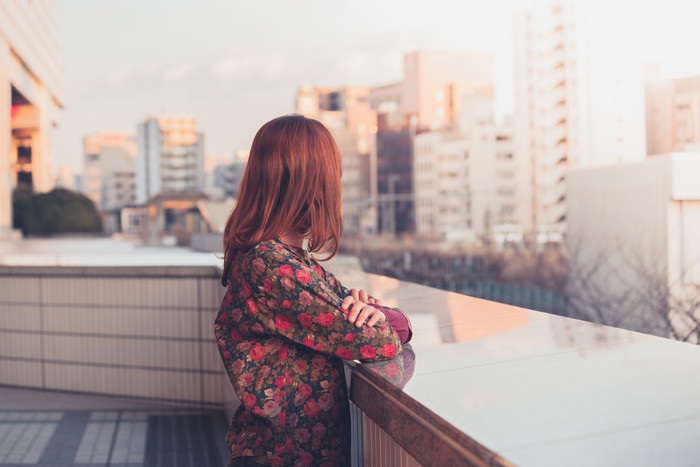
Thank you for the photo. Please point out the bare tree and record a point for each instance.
(617, 286)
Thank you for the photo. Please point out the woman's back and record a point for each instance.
(282, 335)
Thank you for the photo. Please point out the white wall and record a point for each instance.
(635, 229)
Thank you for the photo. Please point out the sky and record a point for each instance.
(233, 65)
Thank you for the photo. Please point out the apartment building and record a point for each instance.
(31, 95)
(673, 115)
(579, 95)
(109, 178)
(170, 157)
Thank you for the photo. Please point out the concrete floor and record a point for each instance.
(47, 428)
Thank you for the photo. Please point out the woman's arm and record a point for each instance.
(288, 298)
(394, 316)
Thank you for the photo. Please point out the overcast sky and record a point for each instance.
(234, 64)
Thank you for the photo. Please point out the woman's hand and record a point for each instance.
(364, 297)
(360, 311)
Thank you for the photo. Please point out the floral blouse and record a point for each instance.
(282, 336)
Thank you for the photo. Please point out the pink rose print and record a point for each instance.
(249, 400)
(305, 298)
(271, 408)
(302, 435)
(326, 319)
(303, 276)
(301, 366)
(236, 335)
(367, 351)
(293, 419)
(237, 366)
(345, 354)
(304, 320)
(283, 322)
(319, 430)
(258, 266)
(288, 283)
(305, 390)
(245, 290)
(391, 369)
(282, 346)
(308, 342)
(389, 350)
(305, 458)
(251, 306)
(263, 372)
(325, 401)
(257, 352)
(246, 379)
(311, 407)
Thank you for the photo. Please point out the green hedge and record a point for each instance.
(57, 212)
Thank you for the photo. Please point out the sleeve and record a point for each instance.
(399, 321)
(293, 300)
(394, 316)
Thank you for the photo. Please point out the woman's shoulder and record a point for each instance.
(268, 251)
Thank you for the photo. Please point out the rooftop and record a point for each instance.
(50, 428)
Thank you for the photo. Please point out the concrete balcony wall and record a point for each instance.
(143, 332)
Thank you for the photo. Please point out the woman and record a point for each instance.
(286, 324)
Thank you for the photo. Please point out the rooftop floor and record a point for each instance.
(46, 428)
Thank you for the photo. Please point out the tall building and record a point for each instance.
(632, 250)
(170, 157)
(428, 98)
(673, 115)
(31, 95)
(109, 171)
(465, 181)
(579, 95)
(226, 178)
(432, 89)
(348, 116)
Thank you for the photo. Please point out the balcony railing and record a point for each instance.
(481, 384)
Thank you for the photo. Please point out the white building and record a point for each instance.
(465, 180)
(31, 94)
(673, 115)
(579, 94)
(224, 180)
(433, 87)
(170, 157)
(108, 175)
(633, 244)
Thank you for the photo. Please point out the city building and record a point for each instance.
(31, 95)
(224, 180)
(109, 178)
(579, 95)
(673, 115)
(633, 254)
(429, 98)
(432, 89)
(347, 114)
(465, 182)
(170, 157)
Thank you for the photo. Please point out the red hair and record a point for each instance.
(291, 184)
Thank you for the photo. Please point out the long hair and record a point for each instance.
(291, 184)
